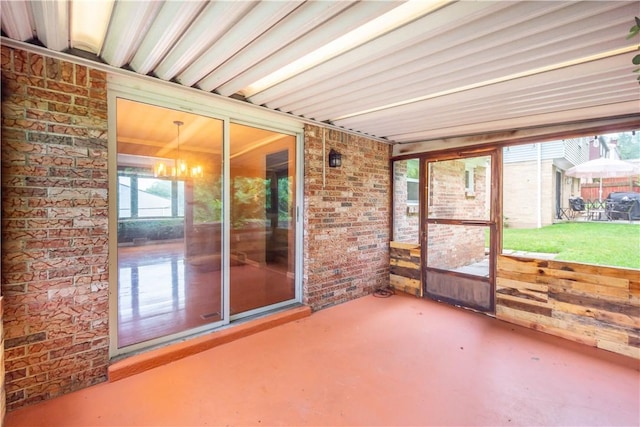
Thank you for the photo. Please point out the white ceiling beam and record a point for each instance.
(51, 19)
(215, 20)
(472, 43)
(17, 21)
(171, 22)
(302, 20)
(255, 22)
(395, 18)
(475, 122)
(613, 90)
(129, 23)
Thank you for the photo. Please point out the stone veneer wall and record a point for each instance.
(54, 226)
(347, 221)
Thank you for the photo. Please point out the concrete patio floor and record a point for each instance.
(373, 361)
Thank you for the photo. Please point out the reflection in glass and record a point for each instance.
(262, 223)
(169, 229)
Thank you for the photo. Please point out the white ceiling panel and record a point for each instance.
(248, 27)
(298, 23)
(203, 32)
(129, 22)
(51, 20)
(17, 20)
(402, 71)
(173, 19)
(350, 19)
(423, 75)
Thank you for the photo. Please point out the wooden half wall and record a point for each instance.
(405, 268)
(595, 305)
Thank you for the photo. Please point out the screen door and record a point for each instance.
(459, 231)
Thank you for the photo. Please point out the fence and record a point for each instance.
(609, 185)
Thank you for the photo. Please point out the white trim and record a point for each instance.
(112, 227)
(226, 216)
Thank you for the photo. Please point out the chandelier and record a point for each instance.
(180, 168)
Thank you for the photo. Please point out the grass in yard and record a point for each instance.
(600, 243)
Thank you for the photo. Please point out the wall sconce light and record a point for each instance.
(335, 159)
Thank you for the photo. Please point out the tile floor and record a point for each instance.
(373, 361)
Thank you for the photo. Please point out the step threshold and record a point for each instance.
(157, 357)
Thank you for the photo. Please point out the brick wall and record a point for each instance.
(346, 223)
(54, 226)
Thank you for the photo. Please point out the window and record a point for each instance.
(406, 200)
(469, 179)
(144, 197)
(413, 194)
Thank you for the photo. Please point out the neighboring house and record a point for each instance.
(154, 205)
(527, 165)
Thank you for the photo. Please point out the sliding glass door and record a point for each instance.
(169, 221)
(205, 222)
(262, 219)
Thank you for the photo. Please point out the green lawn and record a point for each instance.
(601, 243)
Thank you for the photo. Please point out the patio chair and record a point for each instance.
(577, 206)
(621, 209)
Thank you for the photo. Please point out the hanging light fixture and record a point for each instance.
(180, 168)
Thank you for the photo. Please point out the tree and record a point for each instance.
(413, 168)
(160, 187)
(628, 146)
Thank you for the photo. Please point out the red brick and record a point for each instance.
(46, 136)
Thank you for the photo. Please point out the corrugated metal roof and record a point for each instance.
(449, 68)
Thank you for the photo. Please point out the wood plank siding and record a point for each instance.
(595, 305)
(405, 267)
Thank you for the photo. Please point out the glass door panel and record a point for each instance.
(458, 231)
(263, 189)
(169, 222)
